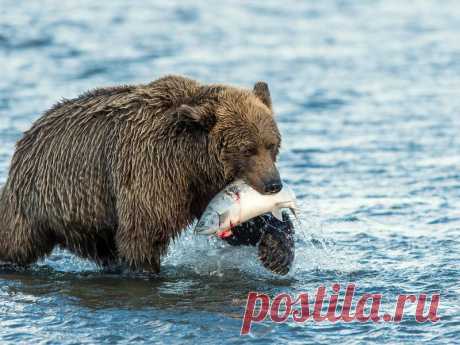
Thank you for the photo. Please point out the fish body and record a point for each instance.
(238, 203)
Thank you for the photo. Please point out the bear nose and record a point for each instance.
(273, 187)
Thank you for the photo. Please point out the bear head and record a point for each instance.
(241, 131)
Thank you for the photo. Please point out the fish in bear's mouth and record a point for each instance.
(242, 216)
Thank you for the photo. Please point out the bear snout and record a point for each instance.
(273, 186)
(264, 178)
(272, 182)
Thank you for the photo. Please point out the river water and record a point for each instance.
(367, 96)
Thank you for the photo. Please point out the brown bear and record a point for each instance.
(117, 173)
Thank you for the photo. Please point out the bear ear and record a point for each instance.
(263, 93)
(198, 115)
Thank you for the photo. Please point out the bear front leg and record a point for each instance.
(138, 239)
(139, 249)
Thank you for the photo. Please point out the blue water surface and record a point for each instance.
(367, 96)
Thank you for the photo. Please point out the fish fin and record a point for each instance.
(292, 206)
(224, 233)
(277, 214)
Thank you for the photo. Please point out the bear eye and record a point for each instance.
(248, 151)
(271, 147)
